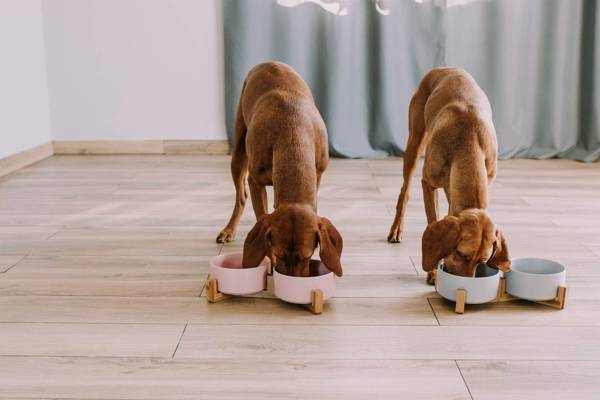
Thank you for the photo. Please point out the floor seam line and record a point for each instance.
(433, 311)
(12, 266)
(179, 341)
(413, 265)
(53, 234)
(463, 379)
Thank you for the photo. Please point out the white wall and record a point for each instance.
(24, 117)
(134, 69)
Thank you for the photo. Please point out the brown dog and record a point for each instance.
(281, 140)
(451, 114)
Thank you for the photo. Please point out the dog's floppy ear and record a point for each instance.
(439, 239)
(256, 243)
(501, 258)
(330, 243)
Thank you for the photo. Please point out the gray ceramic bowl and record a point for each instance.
(535, 278)
(480, 289)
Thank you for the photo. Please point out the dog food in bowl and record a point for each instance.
(298, 289)
(534, 278)
(480, 289)
(233, 279)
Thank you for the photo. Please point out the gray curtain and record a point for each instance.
(535, 59)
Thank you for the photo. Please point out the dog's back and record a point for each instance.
(276, 98)
(272, 79)
(454, 96)
(286, 138)
(461, 135)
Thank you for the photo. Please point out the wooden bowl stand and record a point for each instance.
(558, 302)
(213, 295)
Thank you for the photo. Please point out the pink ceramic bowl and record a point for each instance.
(233, 279)
(298, 289)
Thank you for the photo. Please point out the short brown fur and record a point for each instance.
(280, 139)
(451, 115)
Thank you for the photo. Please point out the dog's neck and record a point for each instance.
(294, 171)
(468, 190)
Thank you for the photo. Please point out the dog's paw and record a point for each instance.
(431, 278)
(395, 235)
(225, 236)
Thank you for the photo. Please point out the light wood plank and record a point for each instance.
(106, 276)
(109, 267)
(338, 311)
(518, 313)
(390, 342)
(120, 378)
(165, 286)
(410, 286)
(548, 380)
(90, 340)
(8, 262)
(98, 309)
(104, 309)
(583, 285)
(110, 247)
(26, 232)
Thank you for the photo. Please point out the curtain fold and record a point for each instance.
(363, 59)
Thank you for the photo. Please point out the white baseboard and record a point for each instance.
(24, 158)
(140, 147)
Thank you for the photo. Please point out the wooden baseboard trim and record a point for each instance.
(196, 147)
(80, 147)
(25, 158)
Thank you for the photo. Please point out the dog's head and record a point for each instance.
(463, 242)
(289, 236)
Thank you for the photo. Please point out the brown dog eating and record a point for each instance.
(452, 116)
(280, 139)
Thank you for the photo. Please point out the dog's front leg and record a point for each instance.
(430, 199)
(258, 194)
(431, 277)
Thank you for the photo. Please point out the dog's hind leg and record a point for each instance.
(417, 139)
(239, 170)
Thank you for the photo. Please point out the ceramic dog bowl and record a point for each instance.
(534, 278)
(298, 289)
(480, 289)
(233, 279)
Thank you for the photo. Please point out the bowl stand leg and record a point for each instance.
(502, 295)
(461, 299)
(316, 304)
(558, 302)
(212, 291)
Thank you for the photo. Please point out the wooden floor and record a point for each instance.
(103, 261)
